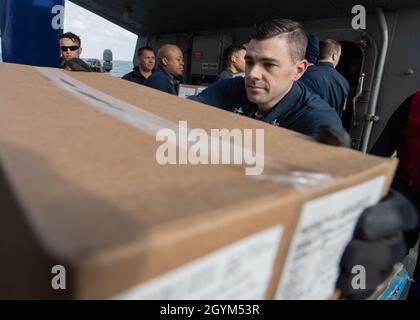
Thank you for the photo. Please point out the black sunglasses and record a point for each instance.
(72, 48)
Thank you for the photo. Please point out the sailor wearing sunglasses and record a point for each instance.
(70, 46)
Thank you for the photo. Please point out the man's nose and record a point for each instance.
(253, 72)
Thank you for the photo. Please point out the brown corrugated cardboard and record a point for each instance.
(82, 188)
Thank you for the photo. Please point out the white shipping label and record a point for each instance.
(241, 270)
(325, 228)
(201, 89)
(185, 92)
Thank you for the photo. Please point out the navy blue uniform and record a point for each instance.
(135, 76)
(300, 110)
(163, 81)
(225, 74)
(328, 83)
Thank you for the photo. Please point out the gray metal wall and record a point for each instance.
(404, 54)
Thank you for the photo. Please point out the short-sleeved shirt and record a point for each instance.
(163, 81)
(300, 110)
(324, 80)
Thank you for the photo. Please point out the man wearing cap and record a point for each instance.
(312, 50)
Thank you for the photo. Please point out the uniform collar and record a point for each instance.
(171, 78)
(311, 68)
(159, 68)
(229, 72)
(288, 103)
(326, 64)
(136, 71)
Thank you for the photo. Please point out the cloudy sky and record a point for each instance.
(98, 34)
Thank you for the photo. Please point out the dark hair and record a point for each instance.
(142, 49)
(292, 30)
(73, 37)
(231, 50)
(327, 48)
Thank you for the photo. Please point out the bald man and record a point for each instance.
(171, 66)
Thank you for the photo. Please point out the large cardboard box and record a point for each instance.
(87, 211)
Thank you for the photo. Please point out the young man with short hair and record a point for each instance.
(270, 92)
(324, 80)
(146, 63)
(235, 62)
(70, 45)
(275, 61)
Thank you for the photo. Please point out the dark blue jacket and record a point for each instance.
(225, 74)
(300, 110)
(163, 81)
(135, 76)
(328, 83)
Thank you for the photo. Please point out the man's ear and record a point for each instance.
(300, 69)
(164, 61)
(80, 51)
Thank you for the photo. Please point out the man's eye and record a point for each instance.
(249, 62)
(269, 65)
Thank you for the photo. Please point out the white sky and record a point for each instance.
(98, 34)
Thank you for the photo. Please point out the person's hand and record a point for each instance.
(378, 244)
(76, 64)
(334, 136)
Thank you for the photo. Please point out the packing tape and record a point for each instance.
(152, 124)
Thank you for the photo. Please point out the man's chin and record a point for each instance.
(254, 98)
